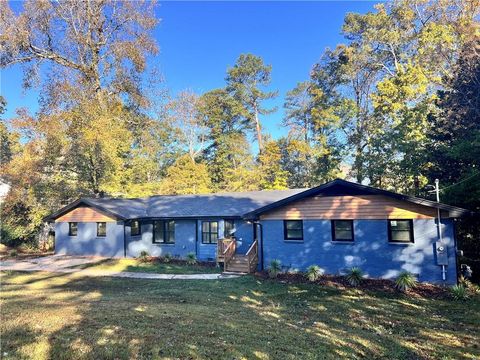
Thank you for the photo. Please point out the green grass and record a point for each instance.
(65, 316)
(134, 265)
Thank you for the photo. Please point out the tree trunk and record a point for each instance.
(259, 130)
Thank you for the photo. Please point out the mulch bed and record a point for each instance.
(176, 261)
(422, 290)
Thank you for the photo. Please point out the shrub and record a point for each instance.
(471, 287)
(459, 292)
(143, 256)
(13, 253)
(313, 272)
(354, 276)
(167, 258)
(275, 268)
(405, 281)
(191, 258)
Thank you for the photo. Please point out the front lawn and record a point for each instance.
(135, 265)
(65, 316)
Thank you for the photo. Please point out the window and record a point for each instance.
(400, 231)
(101, 229)
(210, 232)
(293, 229)
(229, 227)
(135, 229)
(164, 231)
(72, 229)
(342, 230)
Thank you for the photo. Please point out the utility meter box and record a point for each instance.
(441, 254)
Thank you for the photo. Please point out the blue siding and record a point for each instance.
(208, 252)
(87, 243)
(184, 240)
(244, 235)
(371, 250)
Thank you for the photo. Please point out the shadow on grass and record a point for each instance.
(134, 265)
(91, 318)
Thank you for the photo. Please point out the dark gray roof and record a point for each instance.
(232, 204)
(248, 204)
(343, 187)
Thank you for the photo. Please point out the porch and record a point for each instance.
(235, 262)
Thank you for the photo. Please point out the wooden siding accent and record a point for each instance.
(85, 214)
(350, 208)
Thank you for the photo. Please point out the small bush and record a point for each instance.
(275, 268)
(13, 253)
(405, 281)
(459, 292)
(471, 287)
(313, 273)
(29, 247)
(191, 258)
(354, 276)
(143, 256)
(167, 258)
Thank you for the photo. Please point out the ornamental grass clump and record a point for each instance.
(167, 258)
(459, 292)
(313, 273)
(275, 268)
(471, 287)
(191, 258)
(354, 276)
(405, 281)
(143, 256)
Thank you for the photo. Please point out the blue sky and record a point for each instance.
(199, 40)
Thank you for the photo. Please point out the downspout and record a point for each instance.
(124, 240)
(261, 247)
(457, 269)
(440, 237)
(259, 233)
(196, 237)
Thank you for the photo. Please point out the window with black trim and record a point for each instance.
(209, 232)
(400, 231)
(228, 228)
(101, 229)
(72, 229)
(164, 231)
(342, 230)
(135, 228)
(293, 229)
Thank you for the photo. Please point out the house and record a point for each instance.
(336, 226)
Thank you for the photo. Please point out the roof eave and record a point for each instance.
(453, 211)
(73, 205)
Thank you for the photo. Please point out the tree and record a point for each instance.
(245, 81)
(298, 110)
(100, 46)
(273, 177)
(185, 118)
(454, 148)
(92, 122)
(385, 80)
(311, 153)
(228, 153)
(187, 177)
(9, 141)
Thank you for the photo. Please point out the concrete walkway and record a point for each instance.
(63, 264)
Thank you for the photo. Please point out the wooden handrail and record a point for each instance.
(252, 255)
(228, 253)
(251, 247)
